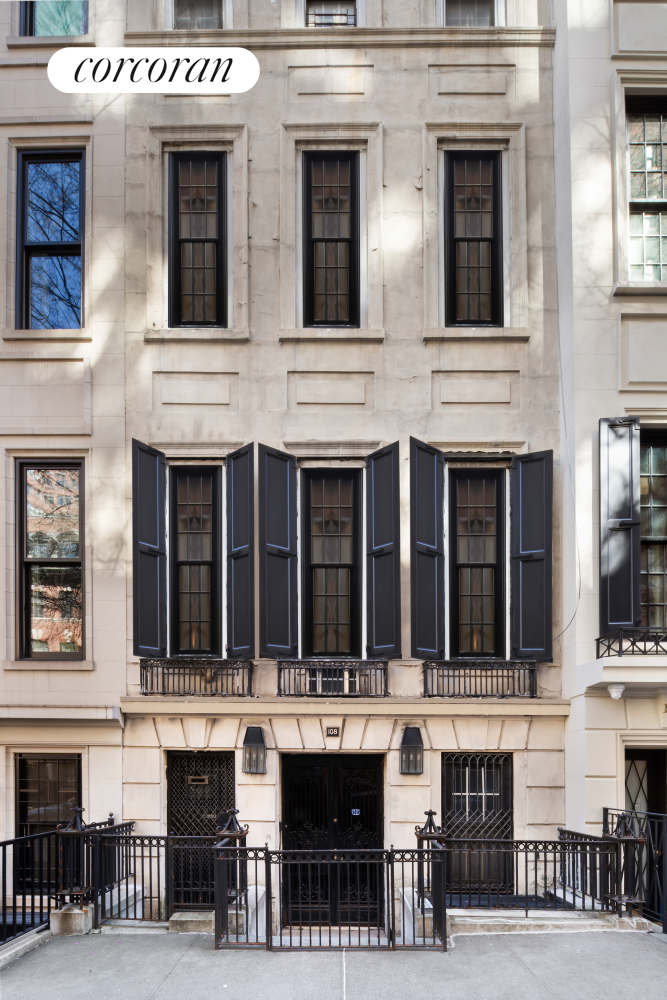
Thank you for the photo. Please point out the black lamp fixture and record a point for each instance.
(254, 751)
(412, 751)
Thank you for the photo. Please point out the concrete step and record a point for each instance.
(479, 922)
(134, 927)
(195, 922)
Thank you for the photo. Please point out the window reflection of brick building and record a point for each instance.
(52, 541)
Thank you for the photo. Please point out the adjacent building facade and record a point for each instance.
(292, 420)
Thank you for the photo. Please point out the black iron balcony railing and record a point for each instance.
(199, 678)
(480, 679)
(332, 678)
(633, 641)
(345, 20)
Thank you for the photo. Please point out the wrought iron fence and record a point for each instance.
(338, 20)
(633, 641)
(197, 678)
(362, 899)
(332, 678)
(480, 679)
(643, 836)
(28, 882)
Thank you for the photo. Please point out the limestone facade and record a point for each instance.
(401, 90)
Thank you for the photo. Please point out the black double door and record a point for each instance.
(332, 803)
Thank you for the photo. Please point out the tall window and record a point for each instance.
(197, 15)
(477, 795)
(477, 579)
(647, 139)
(473, 250)
(331, 239)
(654, 531)
(54, 17)
(48, 790)
(331, 563)
(330, 14)
(50, 214)
(51, 553)
(469, 13)
(198, 257)
(195, 561)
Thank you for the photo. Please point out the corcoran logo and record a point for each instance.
(153, 71)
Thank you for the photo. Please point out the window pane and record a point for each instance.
(330, 14)
(55, 293)
(60, 17)
(195, 518)
(53, 200)
(476, 545)
(48, 793)
(52, 514)
(331, 585)
(197, 15)
(55, 608)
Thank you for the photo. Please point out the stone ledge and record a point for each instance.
(497, 334)
(196, 922)
(320, 333)
(12, 950)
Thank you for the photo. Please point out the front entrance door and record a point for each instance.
(332, 802)
(199, 787)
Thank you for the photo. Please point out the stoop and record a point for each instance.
(193, 923)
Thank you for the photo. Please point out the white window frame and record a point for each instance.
(227, 15)
(509, 140)
(367, 140)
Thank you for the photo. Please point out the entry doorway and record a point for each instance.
(332, 802)
(645, 779)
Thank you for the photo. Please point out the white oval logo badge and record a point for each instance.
(172, 70)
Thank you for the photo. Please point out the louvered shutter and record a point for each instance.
(427, 557)
(531, 515)
(278, 605)
(383, 556)
(149, 551)
(620, 524)
(241, 553)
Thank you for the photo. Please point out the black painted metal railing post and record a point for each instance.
(268, 900)
(663, 893)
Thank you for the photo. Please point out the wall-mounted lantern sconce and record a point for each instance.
(254, 751)
(412, 751)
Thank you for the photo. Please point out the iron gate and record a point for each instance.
(331, 804)
(200, 786)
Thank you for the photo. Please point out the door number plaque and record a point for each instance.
(333, 731)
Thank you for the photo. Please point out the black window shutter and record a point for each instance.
(149, 551)
(531, 515)
(620, 529)
(383, 556)
(241, 553)
(427, 557)
(278, 607)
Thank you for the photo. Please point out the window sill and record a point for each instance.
(50, 336)
(47, 665)
(498, 334)
(195, 335)
(341, 333)
(48, 41)
(640, 288)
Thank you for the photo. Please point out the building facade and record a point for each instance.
(610, 62)
(282, 426)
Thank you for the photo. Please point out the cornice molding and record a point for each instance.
(352, 38)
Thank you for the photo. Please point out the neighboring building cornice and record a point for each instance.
(347, 38)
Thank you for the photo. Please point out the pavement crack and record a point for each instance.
(166, 977)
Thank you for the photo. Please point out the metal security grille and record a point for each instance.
(636, 785)
(200, 786)
(477, 795)
(48, 792)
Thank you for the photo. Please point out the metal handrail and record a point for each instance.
(196, 678)
(480, 679)
(630, 641)
(332, 678)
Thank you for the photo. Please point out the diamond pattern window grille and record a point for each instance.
(194, 805)
(477, 795)
(636, 785)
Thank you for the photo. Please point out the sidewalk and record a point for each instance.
(573, 966)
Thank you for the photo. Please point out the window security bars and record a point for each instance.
(646, 860)
(477, 796)
(331, 19)
(633, 641)
(188, 678)
(327, 678)
(197, 15)
(480, 679)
